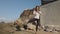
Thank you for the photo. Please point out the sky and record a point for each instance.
(11, 9)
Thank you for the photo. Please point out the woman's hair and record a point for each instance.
(37, 8)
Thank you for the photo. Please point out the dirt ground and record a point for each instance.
(32, 32)
(7, 29)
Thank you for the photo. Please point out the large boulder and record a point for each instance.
(24, 17)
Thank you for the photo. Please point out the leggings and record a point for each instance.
(38, 22)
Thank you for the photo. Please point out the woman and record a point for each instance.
(37, 14)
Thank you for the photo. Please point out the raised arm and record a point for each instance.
(40, 12)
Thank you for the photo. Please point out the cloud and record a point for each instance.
(2, 18)
(5, 19)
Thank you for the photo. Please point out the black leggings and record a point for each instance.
(38, 22)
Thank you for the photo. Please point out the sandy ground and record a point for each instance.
(7, 29)
(32, 32)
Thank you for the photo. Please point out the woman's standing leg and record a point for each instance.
(38, 24)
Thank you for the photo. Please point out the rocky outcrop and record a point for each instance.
(24, 18)
(27, 14)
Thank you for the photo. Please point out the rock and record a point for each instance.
(22, 28)
(31, 26)
(51, 28)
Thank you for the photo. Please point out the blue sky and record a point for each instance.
(11, 9)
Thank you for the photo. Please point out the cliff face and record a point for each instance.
(51, 14)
